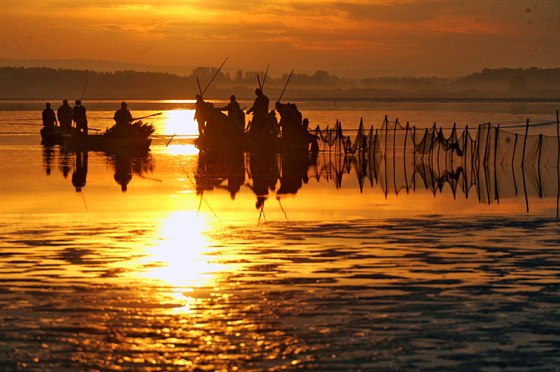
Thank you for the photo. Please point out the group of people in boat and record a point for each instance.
(264, 131)
(65, 115)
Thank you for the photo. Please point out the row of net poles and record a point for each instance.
(558, 165)
(523, 166)
(404, 156)
(395, 156)
(372, 148)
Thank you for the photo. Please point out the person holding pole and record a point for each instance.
(80, 118)
(260, 113)
(122, 118)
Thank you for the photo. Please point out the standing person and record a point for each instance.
(260, 113)
(123, 118)
(235, 114)
(49, 118)
(80, 118)
(64, 114)
(260, 106)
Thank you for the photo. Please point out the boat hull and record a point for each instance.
(54, 136)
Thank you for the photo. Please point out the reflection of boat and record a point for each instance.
(215, 169)
(100, 142)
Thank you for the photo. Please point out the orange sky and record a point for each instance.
(349, 38)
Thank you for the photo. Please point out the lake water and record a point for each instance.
(173, 261)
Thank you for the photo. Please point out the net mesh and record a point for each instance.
(490, 161)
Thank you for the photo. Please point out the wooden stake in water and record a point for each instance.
(525, 143)
(558, 165)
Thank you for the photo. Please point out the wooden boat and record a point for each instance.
(54, 136)
(131, 139)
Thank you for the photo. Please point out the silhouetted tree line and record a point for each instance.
(49, 83)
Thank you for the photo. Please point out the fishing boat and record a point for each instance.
(54, 136)
(134, 138)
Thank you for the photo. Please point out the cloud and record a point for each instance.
(374, 33)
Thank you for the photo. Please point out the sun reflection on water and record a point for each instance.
(179, 122)
(179, 260)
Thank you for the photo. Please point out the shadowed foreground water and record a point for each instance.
(413, 293)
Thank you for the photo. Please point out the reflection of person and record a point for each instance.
(48, 153)
(64, 162)
(64, 114)
(80, 118)
(80, 171)
(123, 171)
(264, 173)
(49, 118)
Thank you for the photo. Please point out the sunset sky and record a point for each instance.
(349, 38)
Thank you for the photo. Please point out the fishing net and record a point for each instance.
(491, 161)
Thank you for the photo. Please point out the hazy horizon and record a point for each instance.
(115, 66)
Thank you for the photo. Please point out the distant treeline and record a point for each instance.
(49, 83)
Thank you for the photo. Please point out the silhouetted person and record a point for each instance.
(80, 171)
(64, 114)
(260, 106)
(201, 113)
(235, 114)
(49, 118)
(123, 118)
(80, 118)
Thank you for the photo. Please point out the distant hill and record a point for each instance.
(95, 65)
(54, 83)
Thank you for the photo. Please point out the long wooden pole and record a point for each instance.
(199, 88)
(285, 85)
(558, 165)
(525, 143)
(264, 77)
(213, 77)
(84, 90)
(147, 116)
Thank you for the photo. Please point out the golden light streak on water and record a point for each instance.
(179, 122)
(180, 258)
(181, 149)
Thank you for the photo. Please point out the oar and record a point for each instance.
(147, 116)
(285, 85)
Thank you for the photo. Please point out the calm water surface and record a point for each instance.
(171, 261)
